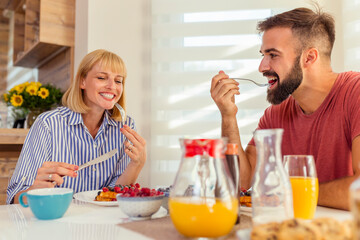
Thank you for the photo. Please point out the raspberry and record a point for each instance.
(117, 189)
(105, 189)
(132, 194)
(126, 189)
(137, 185)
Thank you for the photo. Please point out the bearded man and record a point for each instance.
(318, 109)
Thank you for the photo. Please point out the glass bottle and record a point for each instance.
(232, 160)
(203, 201)
(271, 190)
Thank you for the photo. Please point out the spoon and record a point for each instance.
(258, 84)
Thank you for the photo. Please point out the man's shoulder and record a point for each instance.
(350, 77)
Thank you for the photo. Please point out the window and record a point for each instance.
(191, 42)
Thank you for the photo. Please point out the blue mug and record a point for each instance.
(47, 203)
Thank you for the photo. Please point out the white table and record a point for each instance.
(86, 221)
(81, 221)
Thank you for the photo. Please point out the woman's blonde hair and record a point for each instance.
(73, 97)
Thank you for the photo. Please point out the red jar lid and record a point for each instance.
(210, 147)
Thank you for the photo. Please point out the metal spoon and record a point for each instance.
(258, 84)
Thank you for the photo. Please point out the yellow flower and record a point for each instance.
(43, 93)
(6, 97)
(16, 100)
(20, 88)
(32, 89)
(38, 84)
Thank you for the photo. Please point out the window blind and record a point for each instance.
(191, 42)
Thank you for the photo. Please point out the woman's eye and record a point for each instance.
(101, 78)
(118, 81)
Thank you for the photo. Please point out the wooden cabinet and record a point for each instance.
(11, 141)
(44, 36)
(42, 30)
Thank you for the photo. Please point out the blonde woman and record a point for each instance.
(86, 127)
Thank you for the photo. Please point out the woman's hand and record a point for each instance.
(137, 150)
(52, 173)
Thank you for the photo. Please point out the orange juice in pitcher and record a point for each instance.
(203, 202)
(203, 217)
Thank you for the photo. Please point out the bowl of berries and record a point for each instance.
(139, 203)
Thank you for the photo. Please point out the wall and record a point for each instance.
(122, 27)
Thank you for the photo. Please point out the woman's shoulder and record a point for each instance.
(56, 114)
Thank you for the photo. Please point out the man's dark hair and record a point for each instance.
(312, 28)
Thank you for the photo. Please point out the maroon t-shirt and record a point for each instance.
(327, 134)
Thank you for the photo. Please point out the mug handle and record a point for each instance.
(21, 200)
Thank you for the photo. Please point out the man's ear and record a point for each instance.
(310, 56)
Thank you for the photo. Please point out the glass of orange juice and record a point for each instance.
(304, 183)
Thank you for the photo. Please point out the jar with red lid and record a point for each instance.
(203, 202)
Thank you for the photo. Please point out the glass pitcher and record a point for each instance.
(271, 190)
(203, 201)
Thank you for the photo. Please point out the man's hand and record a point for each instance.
(223, 91)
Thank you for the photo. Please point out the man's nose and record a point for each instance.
(264, 65)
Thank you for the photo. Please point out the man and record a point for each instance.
(318, 109)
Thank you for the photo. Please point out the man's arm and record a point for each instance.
(336, 193)
(223, 91)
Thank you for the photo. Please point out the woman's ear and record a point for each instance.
(310, 56)
(82, 83)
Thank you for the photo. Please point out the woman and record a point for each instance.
(88, 126)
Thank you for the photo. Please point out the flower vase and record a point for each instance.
(33, 114)
(19, 123)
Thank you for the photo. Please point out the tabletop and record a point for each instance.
(91, 221)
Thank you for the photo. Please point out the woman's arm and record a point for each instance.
(137, 153)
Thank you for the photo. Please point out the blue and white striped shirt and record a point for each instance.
(61, 136)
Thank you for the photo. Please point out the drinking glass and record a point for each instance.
(305, 187)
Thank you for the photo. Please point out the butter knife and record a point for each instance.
(99, 159)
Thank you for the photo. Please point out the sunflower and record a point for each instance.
(20, 88)
(32, 89)
(43, 93)
(16, 100)
(6, 97)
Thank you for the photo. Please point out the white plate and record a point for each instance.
(246, 209)
(89, 197)
(244, 234)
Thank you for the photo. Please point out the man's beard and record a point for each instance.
(290, 83)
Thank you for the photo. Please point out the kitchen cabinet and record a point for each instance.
(42, 30)
(11, 142)
(44, 36)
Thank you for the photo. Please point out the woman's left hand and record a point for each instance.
(137, 150)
